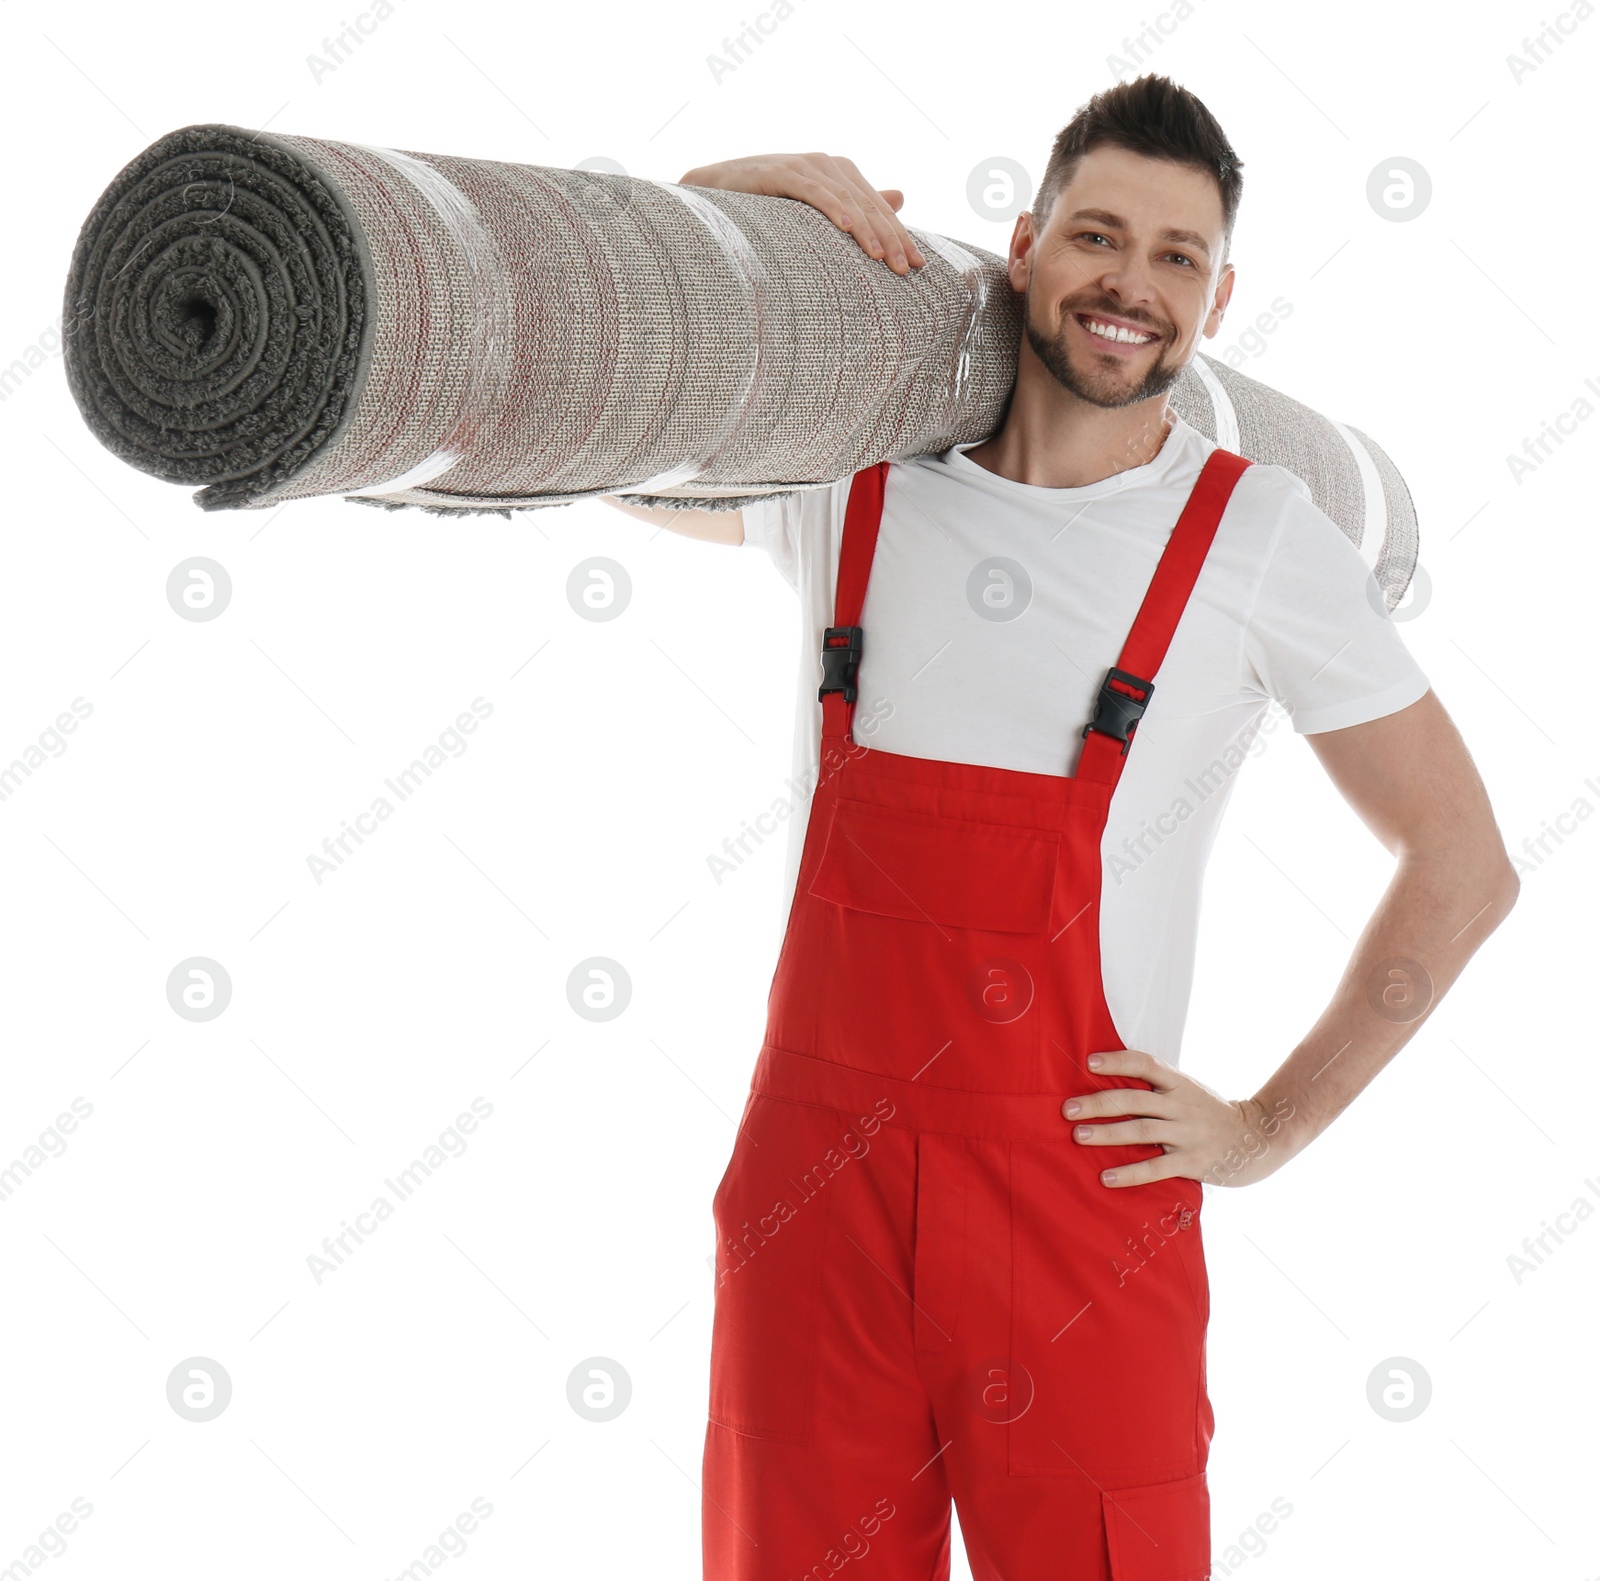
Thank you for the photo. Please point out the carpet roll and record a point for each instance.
(270, 317)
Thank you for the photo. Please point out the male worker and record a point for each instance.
(959, 1250)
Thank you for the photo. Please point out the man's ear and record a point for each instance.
(1019, 261)
(1219, 301)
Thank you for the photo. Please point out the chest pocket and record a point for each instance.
(926, 868)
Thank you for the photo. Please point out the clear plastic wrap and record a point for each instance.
(487, 365)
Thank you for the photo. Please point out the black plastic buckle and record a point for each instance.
(1116, 714)
(841, 656)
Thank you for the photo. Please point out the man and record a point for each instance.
(959, 1243)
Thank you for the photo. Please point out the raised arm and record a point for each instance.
(712, 526)
(829, 183)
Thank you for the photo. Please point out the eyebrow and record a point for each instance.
(1116, 222)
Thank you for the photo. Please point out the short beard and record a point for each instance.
(1053, 354)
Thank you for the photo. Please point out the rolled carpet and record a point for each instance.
(275, 317)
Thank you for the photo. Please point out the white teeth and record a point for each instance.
(1114, 332)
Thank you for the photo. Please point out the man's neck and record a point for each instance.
(1052, 439)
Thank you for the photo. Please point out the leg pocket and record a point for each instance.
(1159, 1532)
(771, 1226)
(1105, 1319)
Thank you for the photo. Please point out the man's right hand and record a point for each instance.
(827, 183)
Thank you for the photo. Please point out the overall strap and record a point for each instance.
(841, 642)
(1125, 693)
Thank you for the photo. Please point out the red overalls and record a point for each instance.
(924, 1292)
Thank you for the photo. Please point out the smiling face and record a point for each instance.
(1125, 277)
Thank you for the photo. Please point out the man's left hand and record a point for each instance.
(1205, 1137)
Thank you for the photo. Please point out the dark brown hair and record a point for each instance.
(1152, 116)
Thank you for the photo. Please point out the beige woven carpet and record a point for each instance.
(274, 317)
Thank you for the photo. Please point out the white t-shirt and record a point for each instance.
(993, 611)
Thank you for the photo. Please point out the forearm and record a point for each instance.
(712, 526)
(1439, 907)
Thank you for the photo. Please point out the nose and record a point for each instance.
(1128, 281)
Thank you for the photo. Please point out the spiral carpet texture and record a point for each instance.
(271, 317)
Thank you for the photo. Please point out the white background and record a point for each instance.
(369, 1410)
